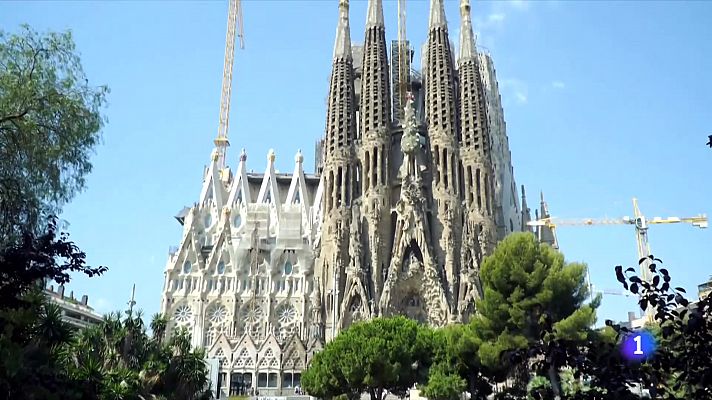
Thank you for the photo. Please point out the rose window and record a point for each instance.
(218, 314)
(252, 313)
(183, 314)
(286, 314)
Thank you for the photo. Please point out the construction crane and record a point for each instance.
(641, 224)
(403, 55)
(234, 28)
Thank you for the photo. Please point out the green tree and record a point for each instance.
(443, 385)
(379, 356)
(455, 361)
(50, 121)
(119, 360)
(527, 285)
(31, 330)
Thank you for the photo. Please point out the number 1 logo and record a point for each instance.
(638, 345)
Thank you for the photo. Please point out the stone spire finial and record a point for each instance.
(299, 157)
(342, 46)
(243, 155)
(271, 156)
(374, 15)
(437, 15)
(467, 38)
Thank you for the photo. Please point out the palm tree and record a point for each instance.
(50, 326)
(159, 323)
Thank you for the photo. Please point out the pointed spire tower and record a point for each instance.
(339, 172)
(441, 119)
(375, 147)
(526, 213)
(475, 140)
(546, 234)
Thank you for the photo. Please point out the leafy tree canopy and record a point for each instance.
(524, 283)
(50, 121)
(379, 356)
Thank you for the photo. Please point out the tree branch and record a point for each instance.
(14, 116)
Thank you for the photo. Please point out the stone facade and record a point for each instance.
(403, 208)
(507, 212)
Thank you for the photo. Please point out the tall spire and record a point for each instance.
(341, 115)
(374, 148)
(342, 46)
(374, 15)
(467, 38)
(437, 15)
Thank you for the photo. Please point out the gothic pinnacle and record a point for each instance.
(374, 16)
(437, 15)
(342, 46)
(467, 38)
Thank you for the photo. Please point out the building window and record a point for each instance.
(237, 220)
(287, 267)
(272, 380)
(187, 267)
(261, 380)
(208, 220)
(221, 268)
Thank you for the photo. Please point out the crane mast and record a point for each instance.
(641, 224)
(403, 54)
(234, 25)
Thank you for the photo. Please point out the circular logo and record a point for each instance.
(638, 346)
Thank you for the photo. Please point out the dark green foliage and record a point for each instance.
(681, 367)
(530, 294)
(36, 259)
(118, 360)
(40, 358)
(49, 125)
(455, 359)
(443, 385)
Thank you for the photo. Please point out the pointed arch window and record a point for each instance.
(208, 220)
(187, 267)
(288, 267)
(237, 220)
(221, 268)
(297, 199)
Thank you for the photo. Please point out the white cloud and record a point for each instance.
(519, 4)
(558, 85)
(514, 89)
(101, 305)
(496, 18)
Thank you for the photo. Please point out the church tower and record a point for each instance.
(339, 172)
(476, 168)
(442, 129)
(375, 146)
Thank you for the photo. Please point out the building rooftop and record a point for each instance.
(76, 313)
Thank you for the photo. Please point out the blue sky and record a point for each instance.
(604, 101)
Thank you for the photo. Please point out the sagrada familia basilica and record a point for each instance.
(411, 190)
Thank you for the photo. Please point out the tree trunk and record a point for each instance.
(472, 383)
(555, 381)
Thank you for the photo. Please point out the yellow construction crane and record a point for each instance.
(641, 224)
(403, 54)
(234, 27)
